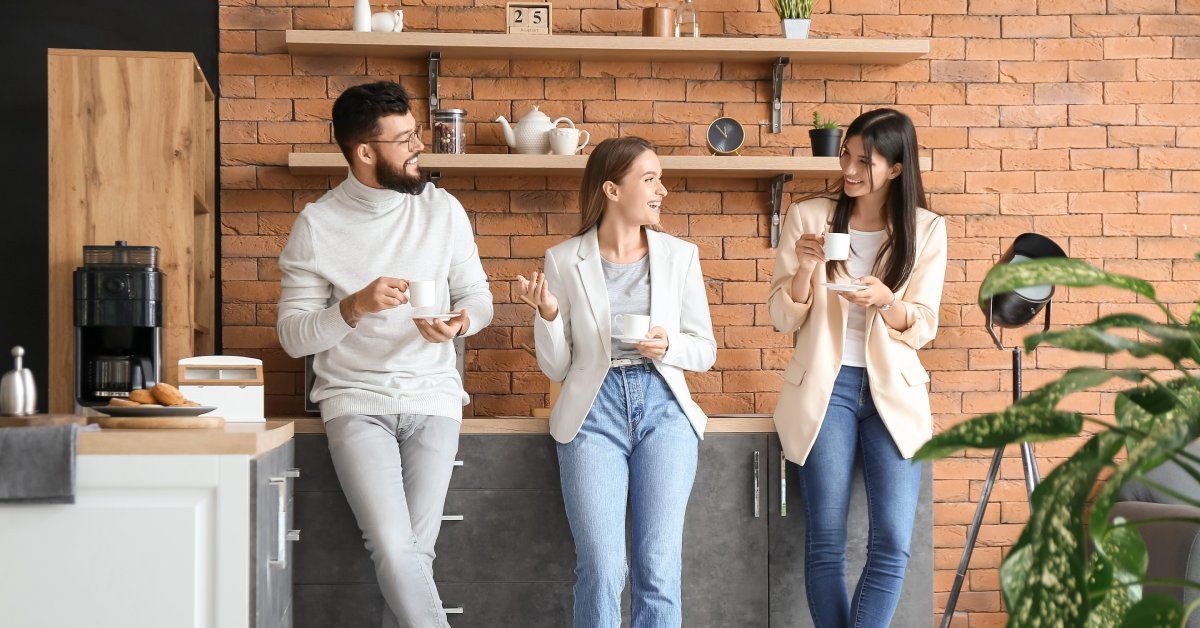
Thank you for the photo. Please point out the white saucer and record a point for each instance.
(440, 317)
(845, 287)
(630, 340)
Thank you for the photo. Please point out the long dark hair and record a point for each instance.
(610, 161)
(890, 134)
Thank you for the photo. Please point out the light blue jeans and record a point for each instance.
(636, 447)
(852, 427)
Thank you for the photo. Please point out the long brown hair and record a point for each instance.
(891, 134)
(611, 161)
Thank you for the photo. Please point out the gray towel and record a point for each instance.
(37, 464)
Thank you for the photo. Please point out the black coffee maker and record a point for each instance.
(118, 322)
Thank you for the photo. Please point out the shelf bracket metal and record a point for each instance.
(435, 102)
(433, 177)
(777, 93)
(777, 184)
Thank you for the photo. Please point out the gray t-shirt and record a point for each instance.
(628, 293)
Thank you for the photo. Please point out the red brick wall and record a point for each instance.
(1069, 118)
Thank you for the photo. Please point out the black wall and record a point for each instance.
(29, 28)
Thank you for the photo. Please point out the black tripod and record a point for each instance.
(1028, 461)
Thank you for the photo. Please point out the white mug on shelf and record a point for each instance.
(632, 325)
(837, 246)
(565, 140)
(421, 294)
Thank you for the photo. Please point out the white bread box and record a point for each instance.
(231, 383)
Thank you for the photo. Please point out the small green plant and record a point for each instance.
(793, 9)
(818, 123)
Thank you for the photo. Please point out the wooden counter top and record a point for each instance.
(248, 439)
(529, 425)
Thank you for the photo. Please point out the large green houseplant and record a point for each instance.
(1053, 576)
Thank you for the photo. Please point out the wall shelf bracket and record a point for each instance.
(435, 101)
(777, 184)
(777, 93)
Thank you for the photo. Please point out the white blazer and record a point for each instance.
(576, 347)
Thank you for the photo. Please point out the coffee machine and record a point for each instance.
(118, 322)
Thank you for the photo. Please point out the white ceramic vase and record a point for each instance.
(362, 16)
(796, 29)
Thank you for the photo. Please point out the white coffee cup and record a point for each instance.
(632, 325)
(421, 294)
(837, 246)
(565, 141)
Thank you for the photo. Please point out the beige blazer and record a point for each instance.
(576, 347)
(897, 379)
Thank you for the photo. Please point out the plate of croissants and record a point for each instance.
(161, 400)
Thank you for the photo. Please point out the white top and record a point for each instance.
(344, 241)
(864, 249)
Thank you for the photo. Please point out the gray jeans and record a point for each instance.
(395, 470)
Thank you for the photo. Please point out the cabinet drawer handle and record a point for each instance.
(757, 469)
(452, 518)
(292, 535)
(453, 610)
(281, 532)
(291, 473)
(458, 463)
(782, 485)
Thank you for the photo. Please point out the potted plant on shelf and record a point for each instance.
(795, 16)
(1072, 566)
(825, 136)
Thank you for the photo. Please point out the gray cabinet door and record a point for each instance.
(271, 578)
(789, 604)
(470, 605)
(514, 535)
(725, 544)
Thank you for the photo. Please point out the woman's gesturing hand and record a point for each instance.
(536, 293)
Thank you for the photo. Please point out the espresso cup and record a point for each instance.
(837, 246)
(421, 294)
(565, 140)
(632, 325)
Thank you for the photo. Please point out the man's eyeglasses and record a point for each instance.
(412, 139)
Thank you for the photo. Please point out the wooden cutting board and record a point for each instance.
(153, 423)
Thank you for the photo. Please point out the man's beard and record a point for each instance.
(395, 177)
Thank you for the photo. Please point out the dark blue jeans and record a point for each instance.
(852, 427)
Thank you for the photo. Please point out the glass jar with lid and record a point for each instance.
(448, 131)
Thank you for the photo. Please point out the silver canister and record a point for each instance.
(18, 392)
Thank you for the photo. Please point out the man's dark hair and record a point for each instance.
(357, 111)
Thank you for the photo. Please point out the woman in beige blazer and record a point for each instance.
(854, 386)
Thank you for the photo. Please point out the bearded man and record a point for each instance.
(390, 394)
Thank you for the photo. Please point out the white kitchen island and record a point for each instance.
(179, 528)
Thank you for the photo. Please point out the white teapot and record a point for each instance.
(532, 134)
(387, 21)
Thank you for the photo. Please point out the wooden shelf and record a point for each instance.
(742, 166)
(605, 47)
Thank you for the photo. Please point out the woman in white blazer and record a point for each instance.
(854, 387)
(626, 425)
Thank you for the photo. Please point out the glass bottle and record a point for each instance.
(686, 24)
